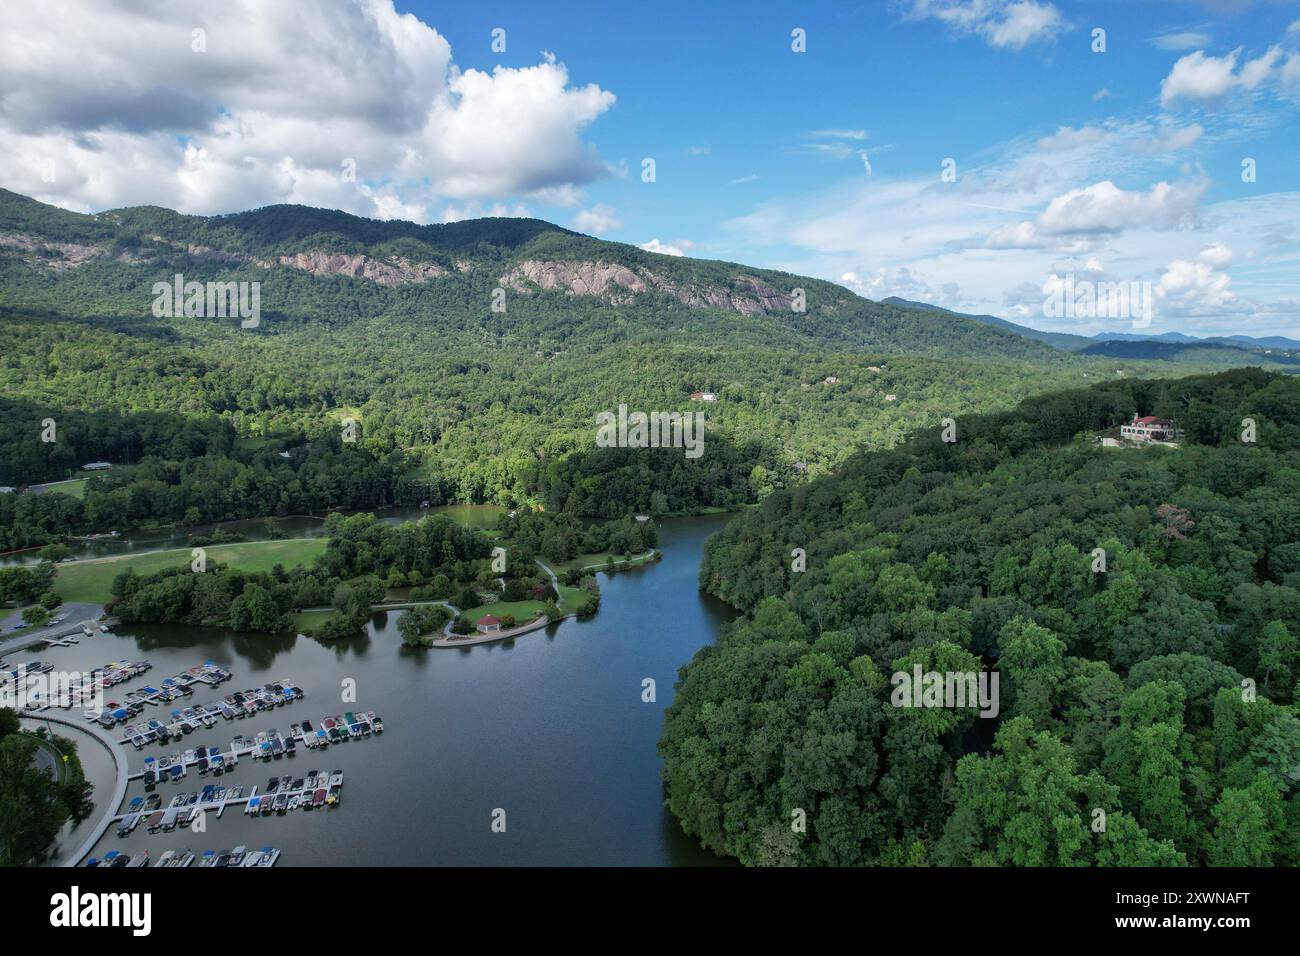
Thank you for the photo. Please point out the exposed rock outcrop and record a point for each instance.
(745, 295)
(55, 256)
(387, 272)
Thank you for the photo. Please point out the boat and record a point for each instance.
(237, 856)
(165, 859)
(336, 779)
(169, 819)
(252, 858)
(152, 802)
(269, 856)
(208, 858)
(375, 722)
(128, 823)
(135, 805)
(183, 858)
(268, 805)
(318, 798)
(295, 801)
(253, 806)
(281, 803)
(140, 859)
(155, 821)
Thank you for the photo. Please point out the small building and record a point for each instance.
(801, 466)
(488, 624)
(891, 397)
(97, 466)
(1148, 428)
(829, 380)
(704, 396)
(643, 518)
(873, 368)
(7, 489)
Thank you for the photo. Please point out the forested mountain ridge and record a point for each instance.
(1158, 686)
(390, 325)
(107, 263)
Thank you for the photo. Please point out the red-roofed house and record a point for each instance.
(487, 624)
(1148, 428)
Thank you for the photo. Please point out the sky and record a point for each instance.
(976, 154)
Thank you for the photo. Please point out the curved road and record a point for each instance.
(119, 791)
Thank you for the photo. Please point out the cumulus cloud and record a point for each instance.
(350, 105)
(1003, 24)
(597, 220)
(677, 248)
(1203, 78)
(1100, 209)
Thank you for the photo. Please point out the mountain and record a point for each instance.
(1195, 350)
(1244, 341)
(107, 263)
(1061, 340)
(471, 359)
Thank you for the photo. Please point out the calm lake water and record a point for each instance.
(549, 727)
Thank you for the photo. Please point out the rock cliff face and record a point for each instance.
(55, 256)
(387, 272)
(745, 295)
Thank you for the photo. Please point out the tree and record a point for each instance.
(255, 610)
(35, 615)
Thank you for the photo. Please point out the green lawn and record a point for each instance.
(572, 598)
(73, 488)
(91, 580)
(594, 561)
(522, 610)
(305, 620)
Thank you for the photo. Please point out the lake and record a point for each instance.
(549, 727)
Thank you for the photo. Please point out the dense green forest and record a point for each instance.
(391, 325)
(1140, 606)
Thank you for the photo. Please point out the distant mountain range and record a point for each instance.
(1089, 344)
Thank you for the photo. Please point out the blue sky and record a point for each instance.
(1115, 166)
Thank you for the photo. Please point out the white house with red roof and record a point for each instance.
(1149, 428)
(488, 624)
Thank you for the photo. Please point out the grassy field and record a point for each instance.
(91, 580)
(73, 488)
(304, 620)
(572, 598)
(594, 561)
(522, 610)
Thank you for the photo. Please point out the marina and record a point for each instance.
(240, 856)
(551, 728)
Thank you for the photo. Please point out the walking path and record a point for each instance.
(119, 790)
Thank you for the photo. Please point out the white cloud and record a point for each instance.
(284, 94)
(1181, 40)
(1102, 208)
(1004, 24)
(675, 249)
(919, 238)
(1194, 287)
(1206, 78)
(740, 181)
(597, 220)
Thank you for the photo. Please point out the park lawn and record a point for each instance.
(572, 598)
(595, 562)
(305, 620)
(523, 611)
(73, 488)
(91, 581)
